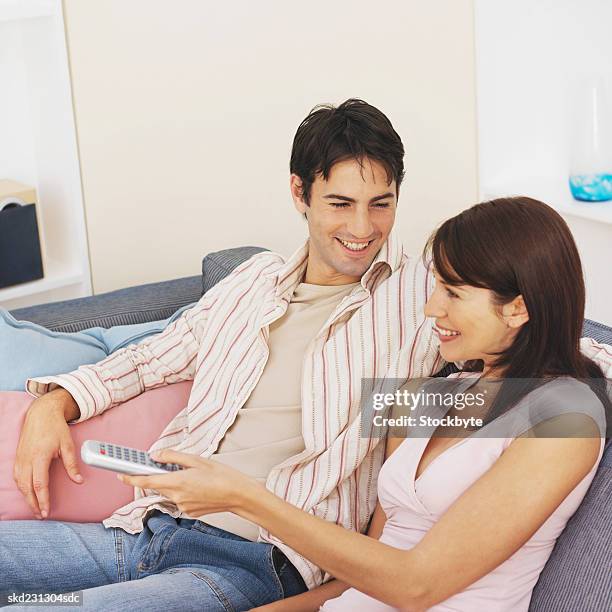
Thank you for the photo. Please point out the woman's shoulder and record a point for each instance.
(566, 407)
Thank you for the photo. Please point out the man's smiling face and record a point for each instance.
(349, 218)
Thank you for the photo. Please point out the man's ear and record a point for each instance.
(295, 185)
(515, 312)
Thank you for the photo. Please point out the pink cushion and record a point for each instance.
(136, 423)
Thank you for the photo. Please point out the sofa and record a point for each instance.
(578, 575)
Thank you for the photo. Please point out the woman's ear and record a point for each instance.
(295, 184)
(515, 313)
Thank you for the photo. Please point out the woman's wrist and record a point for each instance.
(247, 500)
(251, 501)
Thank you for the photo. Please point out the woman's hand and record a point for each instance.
(203, 487)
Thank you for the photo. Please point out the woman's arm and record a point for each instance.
(482, 529)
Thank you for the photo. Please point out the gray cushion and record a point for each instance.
(578, 575)
(151, 302)
(597, 331)
(217, 265)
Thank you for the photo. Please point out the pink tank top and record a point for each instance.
(413, 506)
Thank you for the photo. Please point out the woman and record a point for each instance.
(462, 523)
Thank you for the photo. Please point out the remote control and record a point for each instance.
(123, 459)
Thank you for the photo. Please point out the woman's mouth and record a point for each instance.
(354, 248)
(446, 335)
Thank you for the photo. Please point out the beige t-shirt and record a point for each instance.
(268, 428)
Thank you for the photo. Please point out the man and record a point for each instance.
(277, 352)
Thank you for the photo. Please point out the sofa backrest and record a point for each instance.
(140, 304)
(578, 574)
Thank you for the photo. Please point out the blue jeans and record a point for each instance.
(173, 564)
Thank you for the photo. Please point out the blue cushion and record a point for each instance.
(131, 315)
(32, 350)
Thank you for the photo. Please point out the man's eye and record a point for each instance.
(382, 204)
(451, 294)
(339, 204)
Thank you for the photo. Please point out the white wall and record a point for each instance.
(18, 160)
(186, 111)
(529, 56)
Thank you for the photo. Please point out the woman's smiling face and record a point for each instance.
(469, 323)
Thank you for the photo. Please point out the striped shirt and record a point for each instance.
(378, 330)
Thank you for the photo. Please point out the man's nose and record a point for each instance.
(360, 225)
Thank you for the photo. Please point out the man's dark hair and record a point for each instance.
(353, 130)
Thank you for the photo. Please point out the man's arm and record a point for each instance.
(160, 360)
(90, 390)
(600, 353)
(163, 359)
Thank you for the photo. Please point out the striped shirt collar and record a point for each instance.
(292, 272)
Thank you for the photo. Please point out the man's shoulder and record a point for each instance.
(412, 270)
(267, 258)
(264, 262)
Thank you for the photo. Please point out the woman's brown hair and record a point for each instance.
(521, 246)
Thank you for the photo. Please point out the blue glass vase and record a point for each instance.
(591, 187)
(591, 164)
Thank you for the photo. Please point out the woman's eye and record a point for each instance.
(451, 294)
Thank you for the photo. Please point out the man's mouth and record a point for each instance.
(355, 247)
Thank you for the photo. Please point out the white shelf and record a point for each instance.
(11, 10)
(555, 193)
(38, 120)
(56, 277)
(595, 211)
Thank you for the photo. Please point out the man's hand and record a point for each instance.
(45, 436)
(203, 487)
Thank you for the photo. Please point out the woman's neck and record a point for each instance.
(489, 370)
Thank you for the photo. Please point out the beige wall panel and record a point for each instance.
(186, 111)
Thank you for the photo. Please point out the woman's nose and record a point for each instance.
(434, 307)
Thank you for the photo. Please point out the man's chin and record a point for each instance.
(355, 269)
